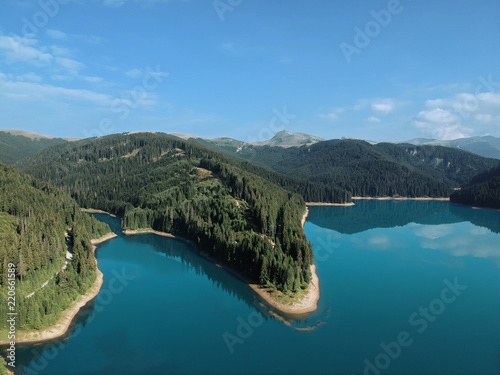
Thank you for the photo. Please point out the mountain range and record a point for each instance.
(320, 170)
(15, 143)
(487, 146)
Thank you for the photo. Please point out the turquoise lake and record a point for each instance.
(407, 287)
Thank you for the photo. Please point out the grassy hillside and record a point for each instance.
(16, 147)
(34, 217)
(241, 214)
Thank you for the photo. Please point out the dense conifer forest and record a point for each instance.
(483, 190)
(243, 215)
(16, 147)
(34, 217)
(383, 169)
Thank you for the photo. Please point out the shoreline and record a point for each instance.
(104, 238)
(131, 232)
(63, 323)
(304, 217)
(330, 204)
(401, 199)
(306, 305)
(94, 211)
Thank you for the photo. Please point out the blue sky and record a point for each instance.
(381, 70)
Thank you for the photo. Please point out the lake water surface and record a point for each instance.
(406, 288)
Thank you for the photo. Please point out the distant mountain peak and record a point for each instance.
(284, 132)
(285, 138)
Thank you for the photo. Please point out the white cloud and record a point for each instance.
(460, 116)
(61, 51)
(383, 106)
(19, 49)
(22, 49)
(441, 124)
(483, 117)
(56, 34)
(378, 106)
(372, 119)
(29, 77)
(438, 116)
(70, 65)
(141, 98)
(134, 73)
(62, 36)
(36, 91)
(332, 115)
(92, 79)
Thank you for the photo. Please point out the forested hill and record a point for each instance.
(34, 217)
(15, 147)
(243, 215)
(382, 169)
(351, 164)
(452, 166)
(483, 190)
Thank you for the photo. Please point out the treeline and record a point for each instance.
(483, 191)
(34, 217)
(237, 215)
